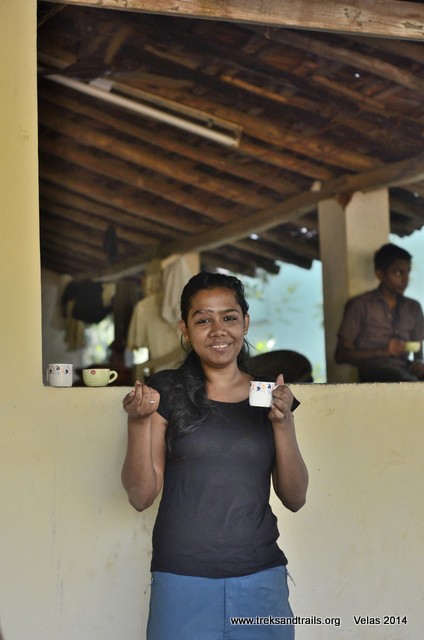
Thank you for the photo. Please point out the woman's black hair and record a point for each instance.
(211, 280)
(191, 405)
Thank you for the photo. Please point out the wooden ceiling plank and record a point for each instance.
(90, 222)
(75, 265)
(160, 213)
(274, 157)
(364, 103)
(70, 192)
(83, 257)
(57, 261)
(118, 199)
(386, 18)
(120, 172)
(291, 101)
(340, 114)
(280, 77)
(275, 137)
(59, 195)
(362, 126)
(132, 211)
(254, 171)
(181, 170)
(226, 74)
(408, 50)
(128, 174)
(291, 163)
(72, 245)
(78, 240)
(318, 147)
(354, 59)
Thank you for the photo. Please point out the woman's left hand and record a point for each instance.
(282, 400)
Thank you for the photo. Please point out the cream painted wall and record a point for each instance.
(74, 557)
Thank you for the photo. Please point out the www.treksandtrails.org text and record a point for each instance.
(318, 620)
(277, 620)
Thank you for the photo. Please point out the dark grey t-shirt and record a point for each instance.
(214, 518)
(370, 324)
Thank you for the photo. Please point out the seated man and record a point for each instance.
(377, 324)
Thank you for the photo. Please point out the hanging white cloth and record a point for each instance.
(175, 277)
(148, 329)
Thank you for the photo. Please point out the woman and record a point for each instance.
(193, 434)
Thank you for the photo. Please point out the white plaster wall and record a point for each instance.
(356, 548)
(74, 557)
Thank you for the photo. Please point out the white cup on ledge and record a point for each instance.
(98, 377)
(60, 375)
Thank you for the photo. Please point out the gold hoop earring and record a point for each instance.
(187, 338)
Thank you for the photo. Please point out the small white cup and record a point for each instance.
(60, 375)
(413, 346)
(98, 377)
(260, 394)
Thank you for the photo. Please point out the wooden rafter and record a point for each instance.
(310, 106)
(396, 174)
(388, 18)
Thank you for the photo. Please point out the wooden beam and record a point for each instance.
(395, 174)
(381, 18)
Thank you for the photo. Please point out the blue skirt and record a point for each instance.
(253, 607)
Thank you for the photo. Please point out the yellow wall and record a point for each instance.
(74, 557)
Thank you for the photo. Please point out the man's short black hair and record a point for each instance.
(387, 255)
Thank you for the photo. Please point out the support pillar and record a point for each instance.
(350, 233)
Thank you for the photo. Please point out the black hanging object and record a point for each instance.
(110, 243)
(88, 303)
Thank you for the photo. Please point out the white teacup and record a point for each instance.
(413, 346)
(260, 394)
(98, 377)
(60, 375)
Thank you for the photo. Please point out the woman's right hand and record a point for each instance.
(142, 401)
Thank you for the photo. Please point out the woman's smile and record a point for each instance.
(219, 347)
